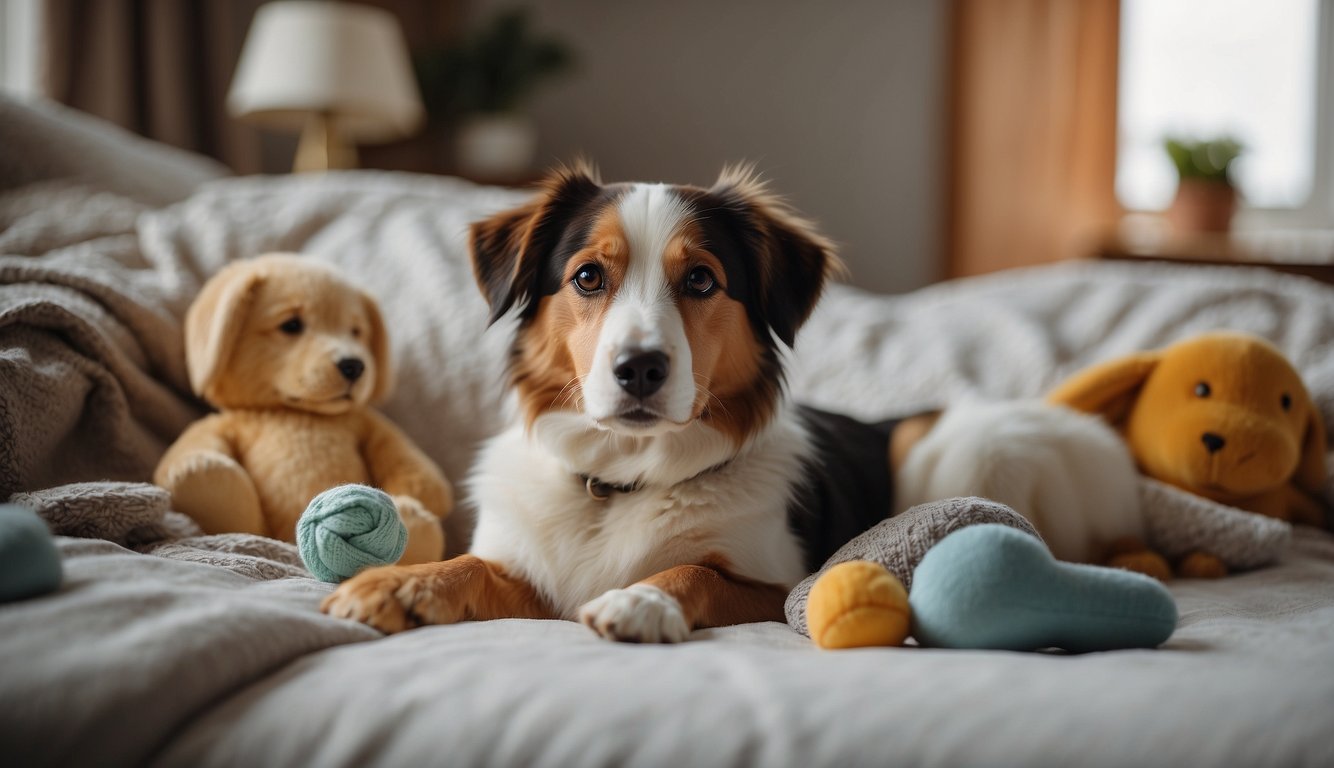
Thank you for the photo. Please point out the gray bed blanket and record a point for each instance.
(174, 648)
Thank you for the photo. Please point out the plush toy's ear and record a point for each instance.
(379, 344)
(1310, 475)
(509, 248)
(214, 321)
(1108, 389)
(793, 260)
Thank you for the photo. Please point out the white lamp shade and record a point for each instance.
(346, 61)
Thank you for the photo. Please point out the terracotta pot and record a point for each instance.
(1203, 206)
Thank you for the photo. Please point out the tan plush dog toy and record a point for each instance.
(291, 354)
(1223, 415)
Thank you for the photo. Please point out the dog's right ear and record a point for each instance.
(509, 248)
(214, 321)
(1108, 389)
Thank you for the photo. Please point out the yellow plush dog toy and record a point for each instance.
(1223, 415)
(291, 354)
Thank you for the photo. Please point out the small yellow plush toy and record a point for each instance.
(1223, 415)
(291, 354)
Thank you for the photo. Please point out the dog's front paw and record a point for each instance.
(637, 614)
(393, 598)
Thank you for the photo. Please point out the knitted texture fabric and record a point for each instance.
(899, 543)
(29, 563)
(347, 529)
(129, 514)
(1178, 522)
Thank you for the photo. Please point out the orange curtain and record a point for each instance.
(1033, 131)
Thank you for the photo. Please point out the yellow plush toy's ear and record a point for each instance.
(1310, 475)
(1108, 388)
(379, 343)
(214, 321)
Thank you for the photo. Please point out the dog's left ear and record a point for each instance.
(1310, 475)
(794, 260)
(379, 344)
(509, 248)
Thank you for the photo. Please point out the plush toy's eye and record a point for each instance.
(588, 279)
(1286, 401)
(292, 326)
(700, 282)
(356, 333)
(1202, 389)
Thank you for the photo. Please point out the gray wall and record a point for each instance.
(839, 103)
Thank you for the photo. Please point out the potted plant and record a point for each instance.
(1205, 198)
(479, 87)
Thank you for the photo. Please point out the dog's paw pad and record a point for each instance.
(637, 614)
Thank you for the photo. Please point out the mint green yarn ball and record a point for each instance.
(347, 529)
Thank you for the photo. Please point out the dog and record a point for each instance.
(647, 485)
(656, 479)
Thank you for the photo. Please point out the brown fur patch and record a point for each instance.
(732, 393)
(394, 598)
(712, 596)
(907, 434)
(555, 351)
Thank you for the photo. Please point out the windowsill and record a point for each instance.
(1148, 234)
(1146, 237)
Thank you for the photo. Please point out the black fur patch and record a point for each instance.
(848, 486)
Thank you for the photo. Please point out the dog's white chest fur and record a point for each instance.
(536, 518)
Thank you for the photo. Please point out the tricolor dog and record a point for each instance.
(656, 479)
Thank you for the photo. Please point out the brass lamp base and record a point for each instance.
(322, 146)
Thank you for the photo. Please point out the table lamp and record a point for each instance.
(338, 72)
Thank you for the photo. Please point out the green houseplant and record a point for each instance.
(1206, 198)
(479, 87)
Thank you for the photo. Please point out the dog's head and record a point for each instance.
(1222, 414)
(283, 331)
(648, 307)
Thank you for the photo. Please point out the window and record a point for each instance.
(1249, 69)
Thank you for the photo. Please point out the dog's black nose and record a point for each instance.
(641, 373)
(351, 368)
(1212, 443)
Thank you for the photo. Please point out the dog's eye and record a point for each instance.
(292, 326)
(1286, 401)
(588, 279)
(700, 281)
(1202, 389)
(356, 333)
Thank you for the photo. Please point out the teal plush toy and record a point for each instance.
(347, 529)
(991, 586)
(29, 562)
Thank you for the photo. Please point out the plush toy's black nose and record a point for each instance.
(1212, 443)
(351, 368)
(641, 373)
